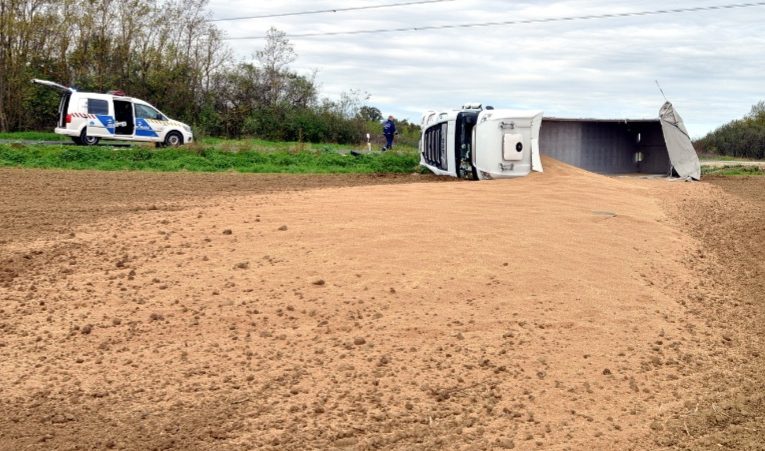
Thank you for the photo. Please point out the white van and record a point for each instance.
(88, 117)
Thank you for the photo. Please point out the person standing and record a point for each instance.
(389, 129)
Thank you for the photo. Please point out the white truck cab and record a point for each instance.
(88, 117)
(478, 143)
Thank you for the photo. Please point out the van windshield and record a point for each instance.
(147, 112)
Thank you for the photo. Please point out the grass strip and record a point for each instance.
(205, 159)
(33, 136)
(732, 170)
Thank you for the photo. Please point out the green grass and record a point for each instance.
(259, 145)
(34, 136)
(211, 156)
(732, 170)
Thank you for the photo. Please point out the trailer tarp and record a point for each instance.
(679, 146)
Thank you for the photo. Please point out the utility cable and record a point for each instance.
(334, 10)
(516, 22)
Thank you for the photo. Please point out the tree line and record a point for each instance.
(739, 138)
(168, 53)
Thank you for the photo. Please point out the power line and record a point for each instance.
(517, 22)
(335, 10)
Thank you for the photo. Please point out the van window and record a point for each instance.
(147, 112)
(96, 106)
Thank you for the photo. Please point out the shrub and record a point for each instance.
(739, 138)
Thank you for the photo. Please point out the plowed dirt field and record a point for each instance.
(564, 310)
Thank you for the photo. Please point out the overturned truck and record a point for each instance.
(485, 143)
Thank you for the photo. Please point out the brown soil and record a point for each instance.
(564, 310)
(727, 216)
(34, 202)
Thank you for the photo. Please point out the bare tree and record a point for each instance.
(274, 58)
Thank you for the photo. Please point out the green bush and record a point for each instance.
(744, 138)
(314, 125)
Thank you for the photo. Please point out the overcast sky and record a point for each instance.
(710, 64)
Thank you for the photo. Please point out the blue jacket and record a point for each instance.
(389, 128)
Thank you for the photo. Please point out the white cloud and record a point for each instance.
(710, 64)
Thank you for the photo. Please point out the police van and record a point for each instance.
(88, 117)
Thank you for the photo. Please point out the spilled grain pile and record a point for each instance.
(535, 312)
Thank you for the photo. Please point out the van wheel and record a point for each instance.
(173, 139)
(77, 140)
(86, 140)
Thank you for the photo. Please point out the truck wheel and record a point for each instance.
(77, 140)
(86, 140)
(173, 139)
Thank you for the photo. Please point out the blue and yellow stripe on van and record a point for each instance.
(157, 122)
